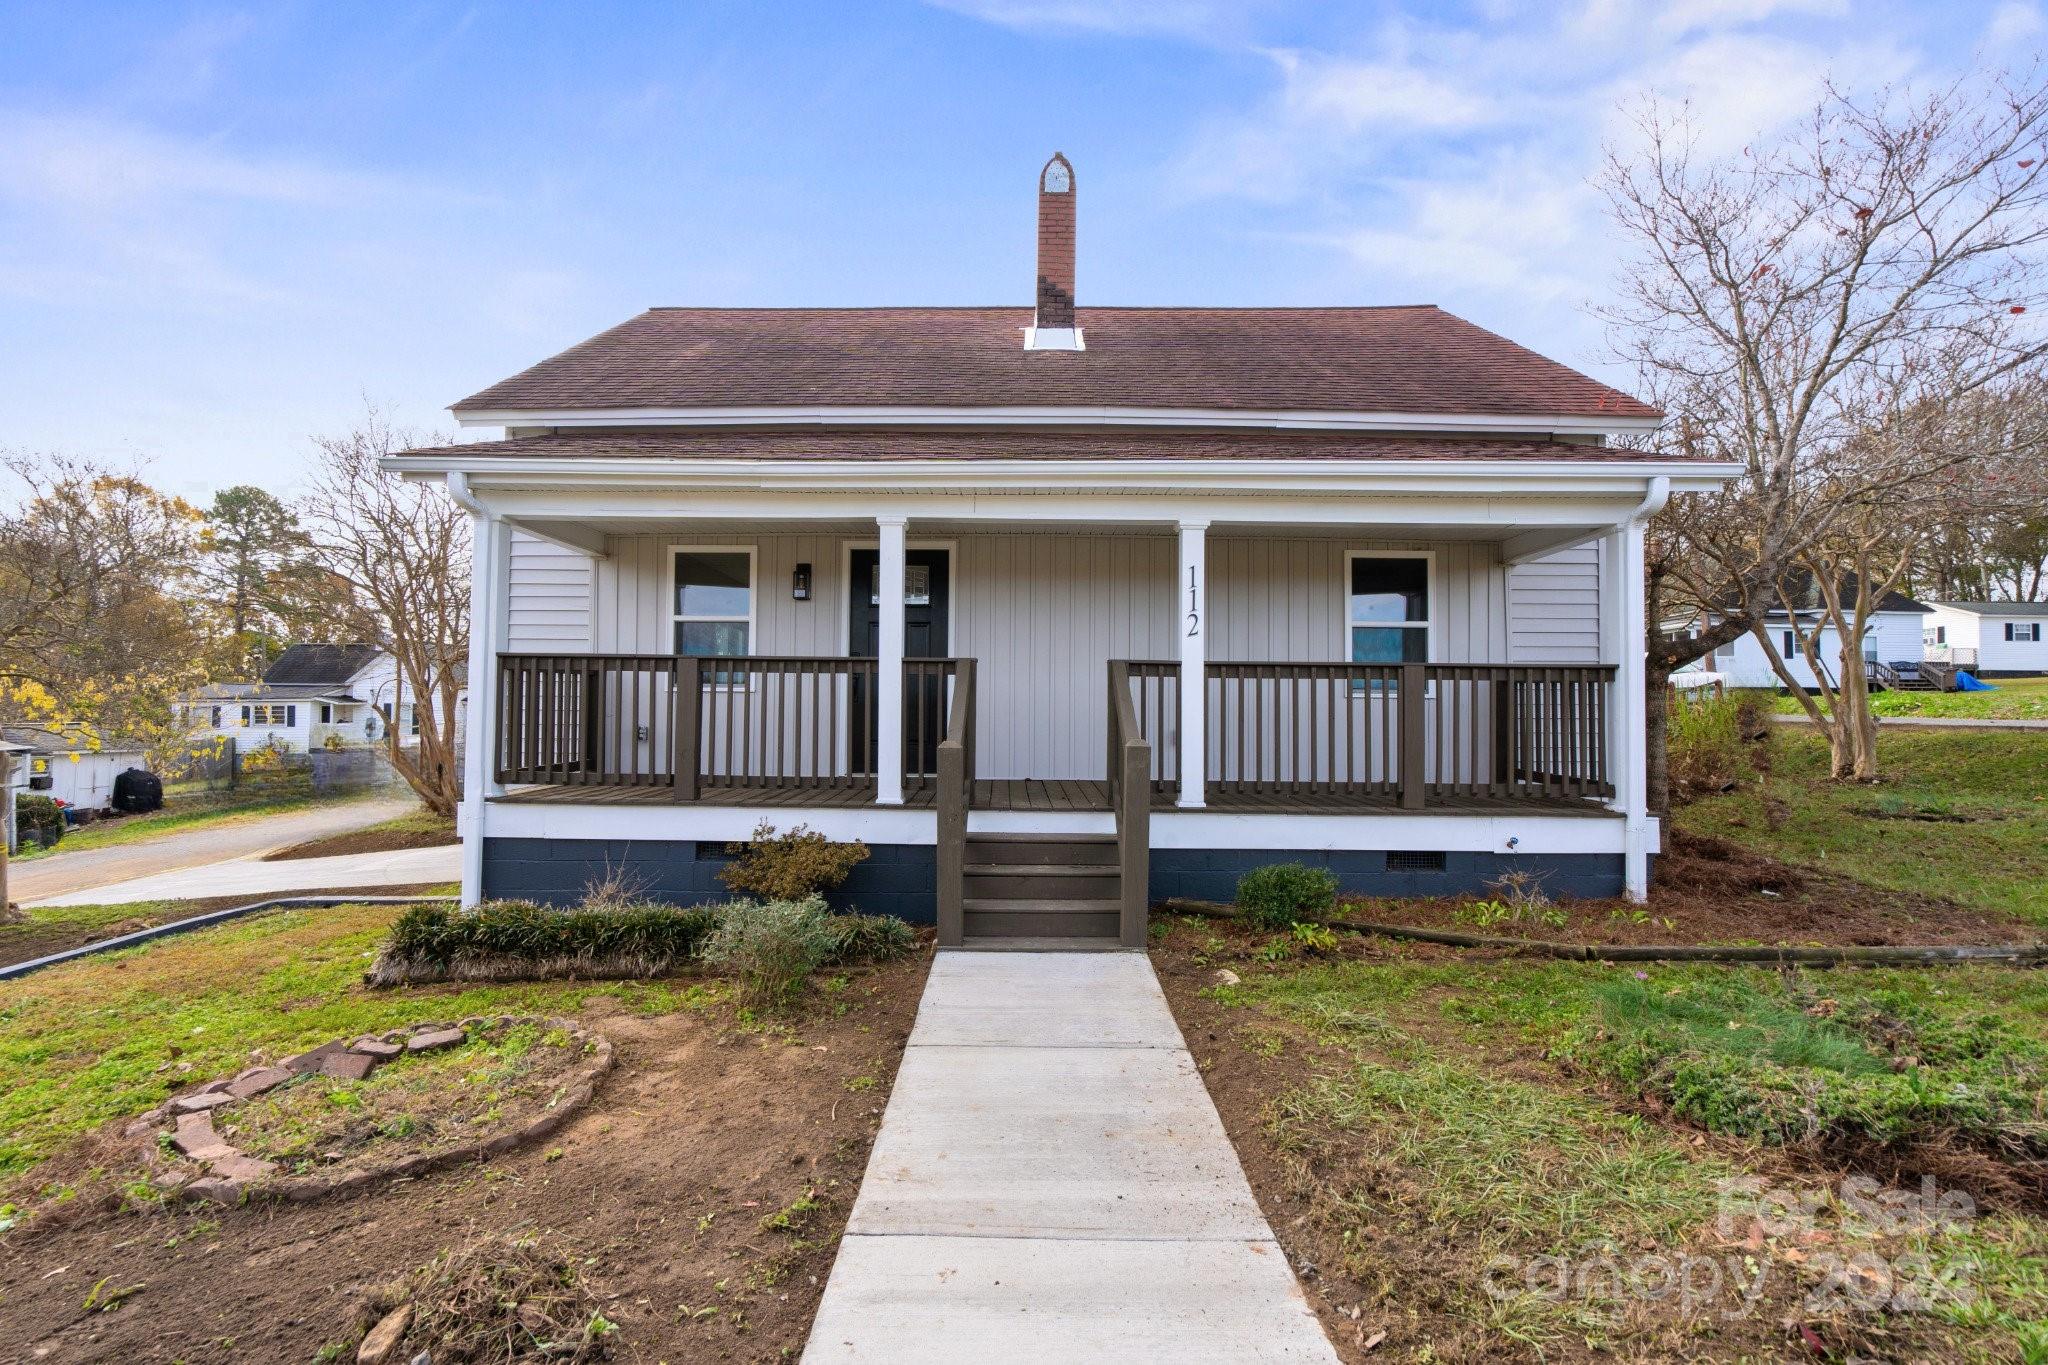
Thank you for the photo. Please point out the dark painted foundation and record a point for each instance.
(897, 879)
(1210, 874)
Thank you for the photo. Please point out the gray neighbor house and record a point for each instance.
(1060, 609)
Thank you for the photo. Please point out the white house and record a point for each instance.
(1060, 609)
(1990, 639)
(311, 697)
(1892, 638)
(71, 765)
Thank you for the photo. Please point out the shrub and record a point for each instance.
(1278, 895)
(38, 819)
(771, 948)
(789, 867)
(869, 938)
(512, 940)
(1704, 744)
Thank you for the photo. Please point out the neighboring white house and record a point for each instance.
(1892, 637)
(933, 578)
(13, 779)
(312, 697)
(71, 765)
(1990, 639)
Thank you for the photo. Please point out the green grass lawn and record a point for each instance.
(1461, 1114)
(2014, 699)
(186, 814)
(108, 1037)
(1985, 793)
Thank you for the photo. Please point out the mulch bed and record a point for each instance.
(363, 841)
(1716, 892)
(662, 1182)
(21, 942)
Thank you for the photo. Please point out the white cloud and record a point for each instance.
(1510, 231)
(1687, 16)
(88, 163)
(2013, 25)
(1359, 96)
(1205, 19)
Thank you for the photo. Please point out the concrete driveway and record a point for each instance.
(61, 873)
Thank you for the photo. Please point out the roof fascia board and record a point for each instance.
(617, 509)
(862, 415)
(1038, 475)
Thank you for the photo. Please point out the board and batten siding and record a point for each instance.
(549, 597)
(1553, 614)
(1043, 612)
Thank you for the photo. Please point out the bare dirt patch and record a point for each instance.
(703, 1191)
(1709, 891)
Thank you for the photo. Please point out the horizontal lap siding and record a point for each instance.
(1554, 608)
(1044, 613)
(549, 597)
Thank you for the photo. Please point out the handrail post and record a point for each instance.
(686, 723)
(1134, 844)
(952, 842)
(1412, 696)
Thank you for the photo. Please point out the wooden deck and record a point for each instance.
(1056, 794)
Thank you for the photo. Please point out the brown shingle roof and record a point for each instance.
(1387, 360)
(929, 443)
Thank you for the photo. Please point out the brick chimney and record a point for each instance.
(1053, 326)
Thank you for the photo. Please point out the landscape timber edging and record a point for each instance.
(1922, 955)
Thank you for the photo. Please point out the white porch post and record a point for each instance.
(889, 685)
(490, 571)
(1623, 633)
(1191, 624)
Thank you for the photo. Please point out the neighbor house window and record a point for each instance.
(1940, 636)
(271, 714)
(714, 602)
(1791, 649)
(2023, 632)
(1389, 617)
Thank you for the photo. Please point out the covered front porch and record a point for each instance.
(1377, 679)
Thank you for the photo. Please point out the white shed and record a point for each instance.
(71, 765)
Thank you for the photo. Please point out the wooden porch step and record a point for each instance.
(1028, 881)
(1039, 919)
(1041, 850)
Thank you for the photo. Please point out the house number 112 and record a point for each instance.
(1194, 606)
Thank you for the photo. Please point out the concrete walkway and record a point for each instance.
(1052, 1183)
(253, 877)
(58, 873)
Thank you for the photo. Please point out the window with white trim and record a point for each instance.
(2023, 632)
(1389, 610)
(714, 601)
(268, 713)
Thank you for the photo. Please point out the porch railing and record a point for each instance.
(955, 795)
(1405, 734)
(1131, 784)
(686, 723)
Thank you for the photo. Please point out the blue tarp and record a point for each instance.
(1967, 682)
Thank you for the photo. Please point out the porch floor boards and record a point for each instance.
(1059, 794)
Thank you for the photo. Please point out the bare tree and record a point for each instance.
(400, 555)
(1777, 302)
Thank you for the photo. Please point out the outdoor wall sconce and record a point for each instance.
(800, 583)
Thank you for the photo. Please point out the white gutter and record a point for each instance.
(1658, 493)
(458, 489)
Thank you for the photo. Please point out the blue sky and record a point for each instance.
(223, 228)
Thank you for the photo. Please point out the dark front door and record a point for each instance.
(926, 594)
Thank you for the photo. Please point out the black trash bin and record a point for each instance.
(138, 790)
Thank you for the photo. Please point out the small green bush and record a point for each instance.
(38, 819)
(771, 948)
(789, 867)
(1280, 894)
(869, 938)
